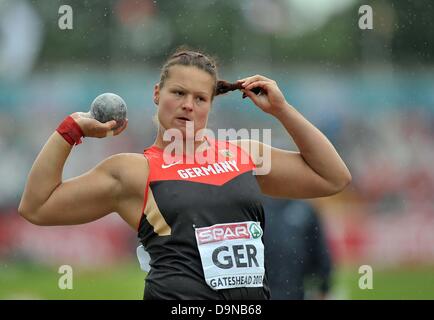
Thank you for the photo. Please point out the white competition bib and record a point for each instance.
(232, 254)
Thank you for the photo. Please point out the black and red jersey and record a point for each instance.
(182, 196)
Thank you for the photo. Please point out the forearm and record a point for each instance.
(316, 150)
(45, 174)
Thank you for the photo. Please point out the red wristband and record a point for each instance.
(70, 131)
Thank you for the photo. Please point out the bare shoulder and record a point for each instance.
(126, 162)
(131, 169)
(122, 158)
(120, 162)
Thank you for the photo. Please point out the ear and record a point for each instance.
(156, 94)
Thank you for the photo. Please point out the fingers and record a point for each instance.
(251, 95)
(262, 84)
(108, 129)
(111, 129)
(96, 129)
(110, 125)
(246, 81)
(121, 128)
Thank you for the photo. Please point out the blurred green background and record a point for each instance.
(125, 281)
(370, 91)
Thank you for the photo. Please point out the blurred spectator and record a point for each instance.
(296, 255)
(21, 32)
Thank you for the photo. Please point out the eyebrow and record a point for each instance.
(197, 92)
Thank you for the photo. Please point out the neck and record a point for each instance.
(188, 145)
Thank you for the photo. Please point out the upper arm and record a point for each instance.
(82, 199)
(282, 173)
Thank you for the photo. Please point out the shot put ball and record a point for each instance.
(107, 107)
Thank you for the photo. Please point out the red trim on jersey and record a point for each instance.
(243, 151)
(145, 196)
(229, 161)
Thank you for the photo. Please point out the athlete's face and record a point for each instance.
(185, 96)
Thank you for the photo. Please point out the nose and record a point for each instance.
(188, 102)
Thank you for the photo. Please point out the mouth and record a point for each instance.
(183, 119)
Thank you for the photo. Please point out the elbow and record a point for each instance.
(337, 184)
(22, 211)
(348, 178)
(30, 215)
(342, 182)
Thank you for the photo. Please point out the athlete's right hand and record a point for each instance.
(93, 128)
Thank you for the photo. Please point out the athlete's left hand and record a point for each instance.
(270, 100)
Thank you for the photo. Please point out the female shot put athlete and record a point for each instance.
(200, 222)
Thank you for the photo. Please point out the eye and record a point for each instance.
(178, 92)
(201, 99)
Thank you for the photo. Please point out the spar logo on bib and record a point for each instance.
(230, 231)
(232, 254)
(255, 231)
